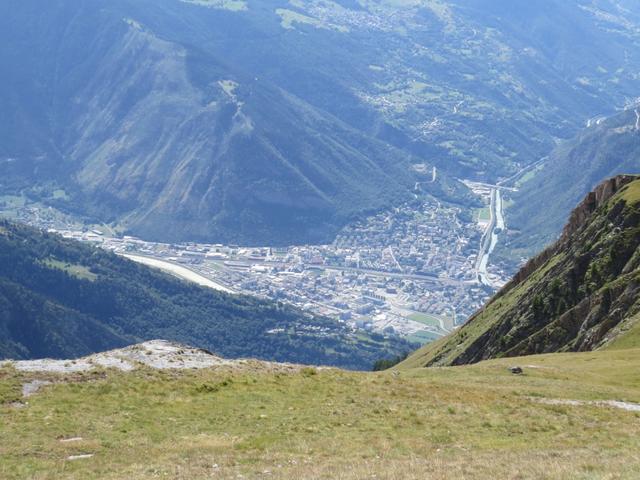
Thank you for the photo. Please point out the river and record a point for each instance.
(178, 271)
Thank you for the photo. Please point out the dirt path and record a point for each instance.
(627, 406)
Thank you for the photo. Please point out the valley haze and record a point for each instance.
(320, 239)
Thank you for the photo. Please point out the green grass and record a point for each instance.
(78, 271)
(425, 319)
(631, 193)
(290, 18)
(530, 175)
(630, 338)
(468, 422)
(60, 194)
(483, 214)
(423, 337)
(10, 202)
(233, 5)
(229, 87)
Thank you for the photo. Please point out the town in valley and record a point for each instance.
(417, 271)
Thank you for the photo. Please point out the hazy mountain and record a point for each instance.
(277, 122)
(60, 298)
(608, 147)
(178, 145)
(580, 294)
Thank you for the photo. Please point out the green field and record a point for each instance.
(482, 214)
(425, 319)
(233, 5)
(77, 271)
(423, 337)
(530, 175)
(473, 422)
(11, 202)
(60, 195)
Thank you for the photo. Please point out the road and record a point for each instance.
(373, 273)
(520, 173)
(434, 177)
(178, 271)
(495, 187)
(377, 273)
(490, 238)
(393, 257)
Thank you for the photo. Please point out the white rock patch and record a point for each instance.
(629, 407)
(159, 354)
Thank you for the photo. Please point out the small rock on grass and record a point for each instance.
(80, 457)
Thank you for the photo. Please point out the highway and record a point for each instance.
(490, 238)
(520, 173)
(494, 187)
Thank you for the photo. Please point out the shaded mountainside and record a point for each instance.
(176, 142)
(607, 147)
(62, 299)
(582, 293)
(277, 122)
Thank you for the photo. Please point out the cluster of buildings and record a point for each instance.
(410, 271)
(426, 239)
(344, 18)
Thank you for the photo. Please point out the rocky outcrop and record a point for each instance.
(594, 200)
(578, 219)
(156, 354)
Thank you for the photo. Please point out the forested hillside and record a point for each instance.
(62, 299)
(608, 147)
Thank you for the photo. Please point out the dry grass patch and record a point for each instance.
(465, 422)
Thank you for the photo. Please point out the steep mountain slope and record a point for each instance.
(582, 293)
(277, 122)
(607, 147)
(60, 298)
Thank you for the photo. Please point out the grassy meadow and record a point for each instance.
(465, 422)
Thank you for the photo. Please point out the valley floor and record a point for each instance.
(472, 422)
